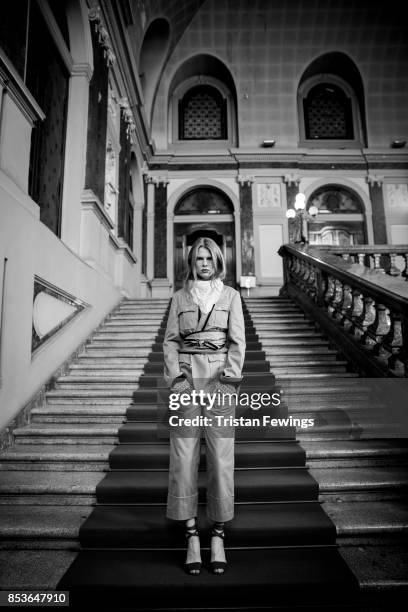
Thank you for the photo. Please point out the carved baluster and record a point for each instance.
(404, 273)
(393, 270)
(346, 307)
(366, 318)
(378, 329)
(377, 264)
(394, 343)
(321, 286)
(313, 282)
(337, 300)
(328, 296)
(356, 313)
(361, 259)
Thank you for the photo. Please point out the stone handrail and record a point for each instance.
(363, 311)
(382, 257)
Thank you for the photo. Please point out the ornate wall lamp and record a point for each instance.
(299, 218)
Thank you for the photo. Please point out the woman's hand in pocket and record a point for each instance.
(180, 385)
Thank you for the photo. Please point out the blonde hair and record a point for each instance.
(216, 256)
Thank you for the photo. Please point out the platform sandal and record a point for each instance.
(218, 567)
(194, 568)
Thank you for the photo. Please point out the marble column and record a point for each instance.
(375, 185)
(247, 225)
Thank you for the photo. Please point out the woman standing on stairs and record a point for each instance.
(204, 350)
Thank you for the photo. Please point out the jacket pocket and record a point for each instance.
(220, 316)
(188, 319)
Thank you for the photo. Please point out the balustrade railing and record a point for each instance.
(363, 310)
(391, 259)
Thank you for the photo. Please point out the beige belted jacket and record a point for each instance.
(225, 324)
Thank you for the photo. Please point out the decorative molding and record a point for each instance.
(11, 83)
(90, 201)
(112, 102)
(82, 69)
(397, 195)
(269, 195)
(127, 114)
(291, 179)
(375, 179)
(243, 179)
(95, 15)
(53, 309)
(155, 180)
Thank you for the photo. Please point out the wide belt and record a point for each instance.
(204, 342)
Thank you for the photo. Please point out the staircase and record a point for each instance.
(294, 490)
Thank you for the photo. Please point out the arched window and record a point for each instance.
(327, 113)
(331, 104)
(202, 105)
(203, 114)
(202, 201)
(335, 199)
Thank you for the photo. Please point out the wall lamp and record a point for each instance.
(398, 144)
(268, 143)
(300, 217)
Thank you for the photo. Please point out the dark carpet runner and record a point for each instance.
(280, 546)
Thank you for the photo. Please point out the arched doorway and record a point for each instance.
(204, 211)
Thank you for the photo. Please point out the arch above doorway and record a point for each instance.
(203, 211)
(210, 221)
(340, 220)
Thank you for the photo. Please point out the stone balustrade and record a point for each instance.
(391, 259)
(362, 310)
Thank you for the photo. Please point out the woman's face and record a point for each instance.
(204, 265)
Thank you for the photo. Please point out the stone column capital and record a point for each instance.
(291, 179)
(155, 180)
(243, 179)
(374, 179)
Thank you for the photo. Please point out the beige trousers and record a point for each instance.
(202, 371)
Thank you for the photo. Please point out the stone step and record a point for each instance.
(262, 314)
(57, 398)
(308, 334)
(107, 344)
(74, 419)
(86, 384)
(84, 393)
(52, 527)
(107, 337)
(95, 371)
(121, 331)
(108, 352)
(311, 365)
(75, 380)
(139, 315)
(113, 363)
(298, 358)
(282, 378)
(278, 326)
(359, 484)
(356, 453)
(56, 457)
(120, 325)
(146, 300)
(49, 433)
(366, 518)
(39, 488)
(307, 342)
